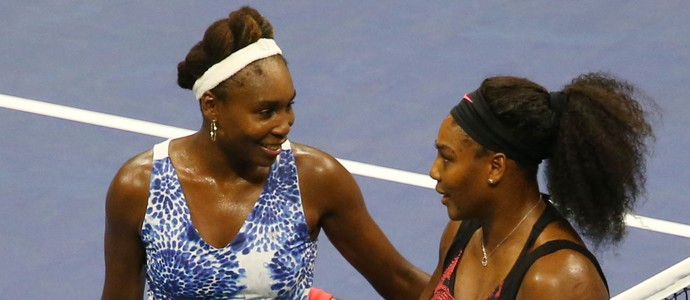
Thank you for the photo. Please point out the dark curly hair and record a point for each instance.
(598, 145)
(222, 38)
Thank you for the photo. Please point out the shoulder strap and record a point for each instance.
(465, 232)
(549, 215)
(516, 275)
(160, 150)
(286, 145)
(462, 237)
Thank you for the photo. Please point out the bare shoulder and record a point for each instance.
(314, 163)
(566, 273)
(128, 192)
(327, 186)
(134, 173)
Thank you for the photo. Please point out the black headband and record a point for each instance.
(475, 117)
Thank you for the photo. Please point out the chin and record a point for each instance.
(454, 215)
(266, 162)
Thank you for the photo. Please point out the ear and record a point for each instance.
(497, 168)
(209, 106)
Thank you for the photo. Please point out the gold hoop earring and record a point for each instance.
(213, 133)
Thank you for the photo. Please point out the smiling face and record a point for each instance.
(256, 116)
(461, 174)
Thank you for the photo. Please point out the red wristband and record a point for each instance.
(319, 294)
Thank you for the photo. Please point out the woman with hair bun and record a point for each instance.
(234, 210)
(507, 240)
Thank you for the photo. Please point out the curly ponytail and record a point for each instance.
(594, 143)
(597, 170)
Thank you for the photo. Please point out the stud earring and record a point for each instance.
(491, 181)
(213, 133)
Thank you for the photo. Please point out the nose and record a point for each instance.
(284, 123)
(433, 171)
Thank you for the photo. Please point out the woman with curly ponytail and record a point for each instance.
(508, 240)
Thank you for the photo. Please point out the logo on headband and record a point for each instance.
(467, 97)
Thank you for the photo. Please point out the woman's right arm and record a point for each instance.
(124, 213)
(446, 240)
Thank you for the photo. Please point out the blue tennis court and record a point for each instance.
(84, 85)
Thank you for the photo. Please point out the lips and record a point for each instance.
(272, 149)
(444, 198)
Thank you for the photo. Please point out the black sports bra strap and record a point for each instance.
(462, 237)
(517, 274)
(465, 232)
(549, 215)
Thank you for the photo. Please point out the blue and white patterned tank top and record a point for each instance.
(272, 256)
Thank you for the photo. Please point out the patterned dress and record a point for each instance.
(272, 256)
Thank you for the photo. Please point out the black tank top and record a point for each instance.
(510, 286)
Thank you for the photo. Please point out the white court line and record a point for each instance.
(660, 285)
(90, 117)
(357, 168)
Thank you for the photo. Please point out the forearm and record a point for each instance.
(388, 272)
(409, 281)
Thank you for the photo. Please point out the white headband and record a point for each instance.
(234, 63)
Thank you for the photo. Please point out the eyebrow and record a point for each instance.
(440, 146)
(275, 101)
(444, 148)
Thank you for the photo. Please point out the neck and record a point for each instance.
(509, 220)
(210, 158)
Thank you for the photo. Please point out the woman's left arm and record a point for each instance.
(332, 196)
